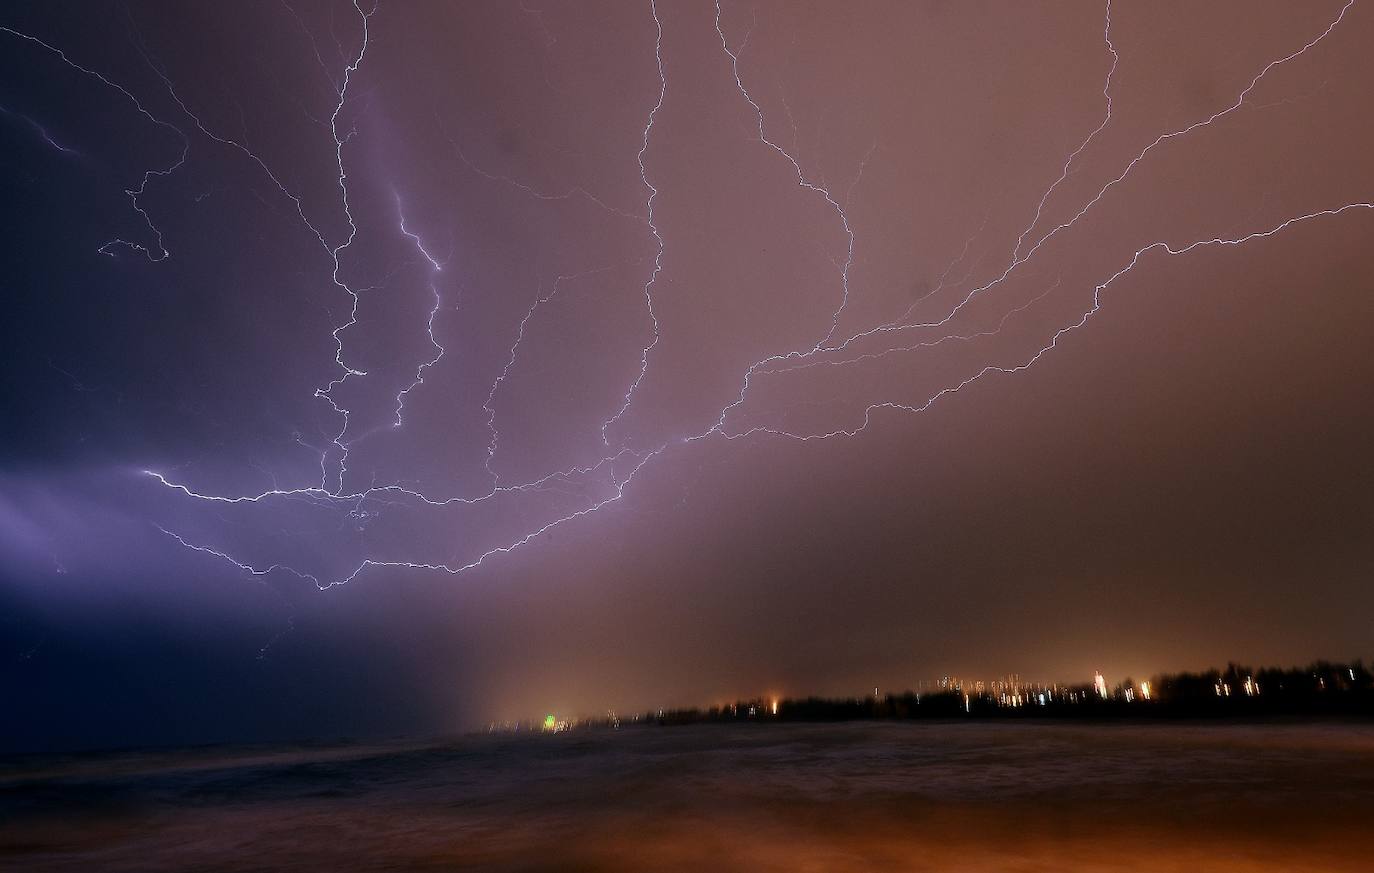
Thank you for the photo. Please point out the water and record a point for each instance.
(913, 796)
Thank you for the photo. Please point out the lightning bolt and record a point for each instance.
(133, 193)
(801, 181)
(38, 129)
(1163, 246)
(162, 253)
(247, 568)
(334, 252)
(326, 392)
(614, 472)
(1106, 120)
(1161, 139)
(653, 229)
(429, 323)
(488, 406)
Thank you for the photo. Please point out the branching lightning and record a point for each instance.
(488, 406)
(429, 323)
(133, 193)
(653, 228)
(604, 480)
(801, 180)
(247, 568)
(1163, 246)
(326, 392)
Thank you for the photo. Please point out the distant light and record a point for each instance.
(550, 722)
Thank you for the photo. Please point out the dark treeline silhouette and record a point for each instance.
(1321, 689)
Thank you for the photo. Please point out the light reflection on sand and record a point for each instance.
(957, 797)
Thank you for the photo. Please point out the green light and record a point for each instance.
(549, 723)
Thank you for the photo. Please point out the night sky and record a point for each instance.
(392, 371)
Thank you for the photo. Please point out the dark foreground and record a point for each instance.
(859, 796)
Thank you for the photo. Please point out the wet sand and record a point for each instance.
(915, 796)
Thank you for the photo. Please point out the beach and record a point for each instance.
(854, 796)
